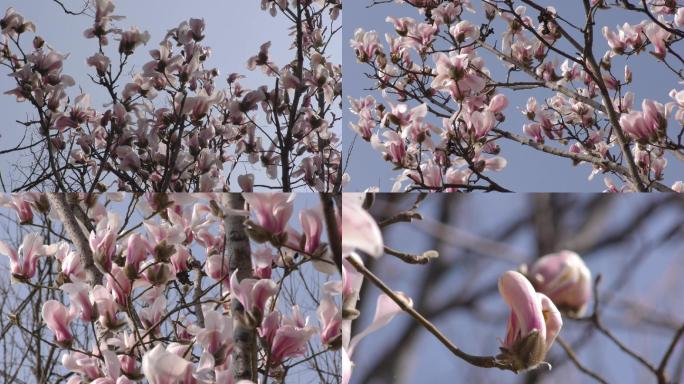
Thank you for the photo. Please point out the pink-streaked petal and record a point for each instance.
(521, 297)
(552, 318)
(359, 229)
(385, 310)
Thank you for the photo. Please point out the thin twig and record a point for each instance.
(478, 361)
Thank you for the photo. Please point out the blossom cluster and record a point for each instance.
(149, 319)
(433, 69)
(172, 125)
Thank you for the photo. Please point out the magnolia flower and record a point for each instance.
(24, 260)
(131, 39)
(635, 125)
(21, 205)
(658, 37)
(262, 261)
(57, 317)
(359, 229)
(246, 182)
(252, 293)
(79, 296)
(272, 210)
(136, 252)
(464, 30)
(216, 336)
(290, 341)
(678, 186)
(498, 103)
(365, 44)
(106, 307)
(217, 268)
(453, 75)
(163, 367)
(564, 278)
(312, 227)
(100, 62)
(330, 318)
(13, 24)
(103, 241)
(261, 58)
(533, 324)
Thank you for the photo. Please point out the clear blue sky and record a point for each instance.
(656, 284)
(528, 170)
(235, 30)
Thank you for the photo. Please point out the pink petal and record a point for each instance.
(359, 229)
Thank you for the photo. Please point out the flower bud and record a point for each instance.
(565, 279)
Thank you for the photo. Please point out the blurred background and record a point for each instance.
(635, 242)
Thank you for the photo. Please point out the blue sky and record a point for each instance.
(528, 170)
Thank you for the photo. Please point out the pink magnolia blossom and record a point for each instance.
(534, 130)
(402, 116)
(564, 278)
(330, 318)
(498, 103)
(246, 182)
(80, 113)
(252, 293)
(658, 37)
(57, 317)
(394, 149)
(21, 205)
(151, 316)
(179, 259)
(103, 16)
(635, 126)
(216, 335)
(312, 226)
(217, 268)
(262, 59)
(132, 39)
(454, 76)
(464, 30)
(679, 17)
(23, 261)
(272, 210)
(103, 241)
(533, 324)
(430, 175)
(13, 24)
(79, 296)
(163, 367)
(365, 44)
(136, 252)
(262, 262)
(119, 284)
(359, 229)
(71, 265)
(290, 341)
(351, 288)
(106, 307)
(100, 62)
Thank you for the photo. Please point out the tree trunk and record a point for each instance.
(240, 260)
